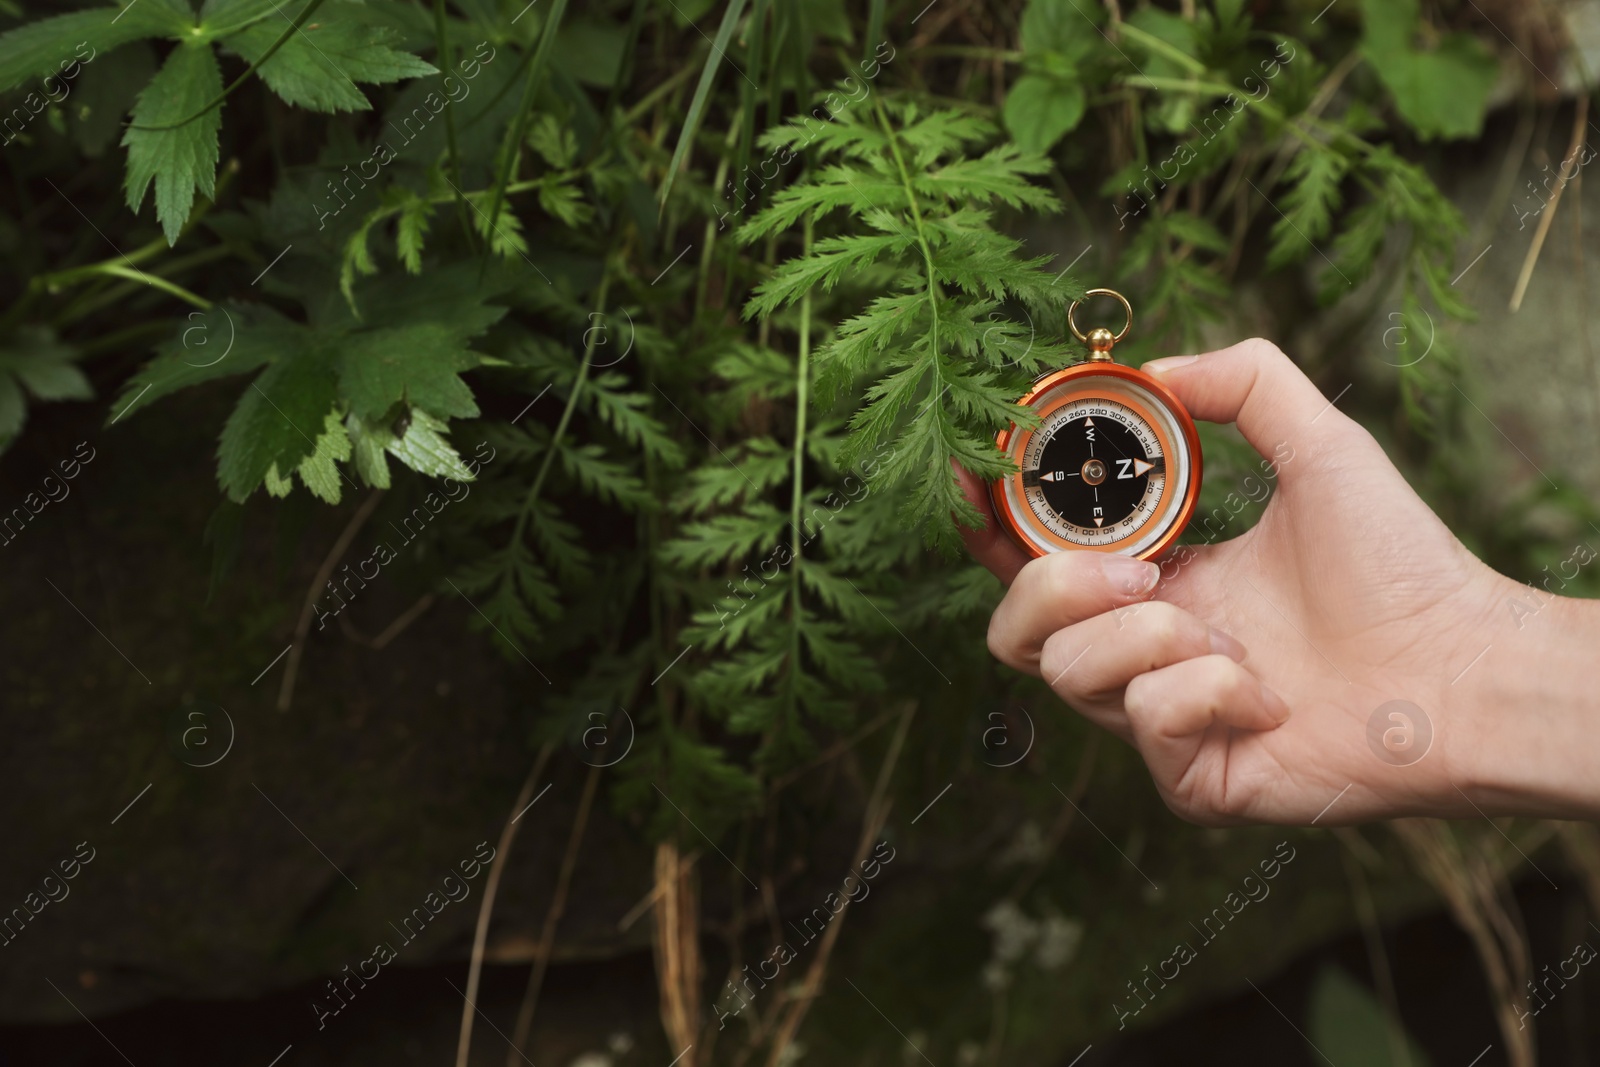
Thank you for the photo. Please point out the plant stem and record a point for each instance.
(802, 388)
(922, 240)
(566, 414)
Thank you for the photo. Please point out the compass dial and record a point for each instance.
(1112, 466)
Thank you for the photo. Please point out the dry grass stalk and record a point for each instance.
(508, 834)
(871, 825)
(552, 918)
(1580, 120)
(1472, 881)
(677, 948)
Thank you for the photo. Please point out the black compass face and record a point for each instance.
(1098, 471)
(1093, 472)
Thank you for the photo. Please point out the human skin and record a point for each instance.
(1245, 672)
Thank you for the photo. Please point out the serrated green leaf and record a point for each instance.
(272, 424)
(38, 49)
(228, 339)
(367, 444)
(183, 159)
(319, 471)
(319, 66)
(44, 364)
(424, 449)
(276, 484)
(1197, 231)
(410, 231)
(1307, 209)
(418, 364)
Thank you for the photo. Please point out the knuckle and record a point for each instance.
(1172, 633)
(1056, 659)
(1219, 679)
(1142, 700)
(999, 645)
(1262, 349)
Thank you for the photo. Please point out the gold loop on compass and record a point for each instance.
(1100, 339)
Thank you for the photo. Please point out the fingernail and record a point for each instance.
(1277, 707)
(1161, 366)
(1129, 576)
(1226, 645)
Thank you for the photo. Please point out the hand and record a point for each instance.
(1246, 671)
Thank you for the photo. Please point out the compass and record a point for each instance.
(1114, 464)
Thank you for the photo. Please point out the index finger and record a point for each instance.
(990, 546)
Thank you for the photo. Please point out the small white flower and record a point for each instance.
(1027, 847)
(995, 976)
(1058, 942)
(1013, 931)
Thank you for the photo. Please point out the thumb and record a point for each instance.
(1253, 384)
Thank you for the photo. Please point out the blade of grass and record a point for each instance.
(519, 129)
(450, 124)
(874, 30)
(754, 47)
(697, 105)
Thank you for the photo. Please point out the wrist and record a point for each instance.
(1525, 742)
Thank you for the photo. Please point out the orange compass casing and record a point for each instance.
(1114, 465)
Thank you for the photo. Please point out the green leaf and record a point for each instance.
(44, 365)
(410, 231)
(319, 66)
(271, 427)
(228, 339)
(1053, 25)
(424, 449)
(40, 48)
(1348, 1025)
(1308, 208)
(1041, 109)
(368, 443)
(178, 160)
(319, 470)
(1196, 231)
(1443, 93)
(419, 364)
